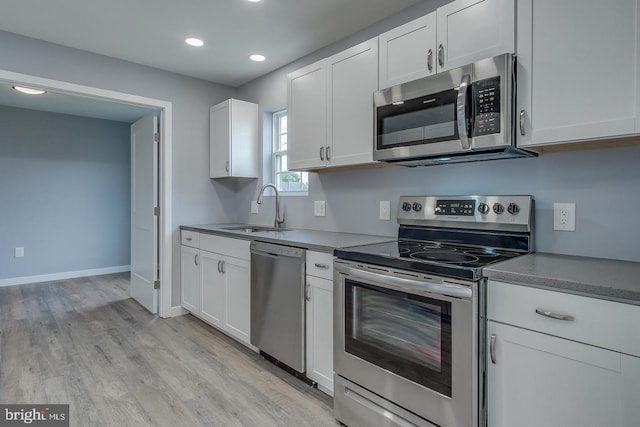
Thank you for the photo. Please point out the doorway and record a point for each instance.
(164, 108)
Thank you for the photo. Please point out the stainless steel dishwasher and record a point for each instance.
(277, 302)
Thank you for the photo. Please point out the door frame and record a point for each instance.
(165, 171)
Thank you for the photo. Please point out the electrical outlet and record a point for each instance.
(254, 207)
(385, 210)
(18, 252)
(318, 208)
(564, 216)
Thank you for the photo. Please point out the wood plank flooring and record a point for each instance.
(86, 343)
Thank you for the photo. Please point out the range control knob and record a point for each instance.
(417, 206)
(513, 209)
(498, 208)
(406, 206)
(483, 208)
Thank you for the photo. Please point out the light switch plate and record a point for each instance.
(385, 210)
(318, 208)
(18, 252)
(254, 207)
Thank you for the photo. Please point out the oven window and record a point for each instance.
(418, 121)
(406, 334)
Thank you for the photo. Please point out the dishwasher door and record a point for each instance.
(277, 302)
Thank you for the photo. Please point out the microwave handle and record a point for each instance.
(462, 108)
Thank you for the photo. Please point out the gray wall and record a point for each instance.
(196, 198)
(603, 183)
(65, 192)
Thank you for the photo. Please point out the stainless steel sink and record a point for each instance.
(253, 228)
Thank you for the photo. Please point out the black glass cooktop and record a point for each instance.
(448, 258)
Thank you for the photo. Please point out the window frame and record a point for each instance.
(275, 129)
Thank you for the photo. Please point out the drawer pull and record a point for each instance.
(189, 239)
(552, 315)
(318, 265)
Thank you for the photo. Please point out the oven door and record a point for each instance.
(410, 340)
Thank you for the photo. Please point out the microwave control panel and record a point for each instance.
(486, 94)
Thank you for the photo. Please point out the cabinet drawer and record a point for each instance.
(190, 238)
(236, 248)
(606, 324)
(320, 264)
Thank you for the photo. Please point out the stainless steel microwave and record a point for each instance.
(461, 115)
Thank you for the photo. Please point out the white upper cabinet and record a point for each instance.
(459, 33)
(471, 30)
(408, 52)
(578, 75)
(331, 109)
(233, 139)
(307, 117)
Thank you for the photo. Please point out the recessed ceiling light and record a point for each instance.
(29, 90)
(192, 41)
(254, 1)
(257, 58)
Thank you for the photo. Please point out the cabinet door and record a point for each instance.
(220, 140)
(577, 69)
(471, 30)
(190, 278)
(353, 77)
(320, 332)
(408, 52)
(630, 391)
(540, 380)
(237, 278)
(307, 117)
(213, 288)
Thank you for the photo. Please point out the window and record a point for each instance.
(285, 180)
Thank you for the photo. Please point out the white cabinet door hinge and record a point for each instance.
(156, 137)
(156, 284)
(156, 211)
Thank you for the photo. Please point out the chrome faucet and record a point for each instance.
(277, 222)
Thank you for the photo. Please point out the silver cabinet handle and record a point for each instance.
(306, 293)
(522, 122)
(195, 259)
(223, 267)
(462, 112)
(189, 239)
(318, 265)
(322, 153)
(556, 316)
(226, 166)
(441, 55)
(219, 269)
(492, 349)
(328, 153)
(430, 60)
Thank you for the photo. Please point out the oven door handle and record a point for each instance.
(407, 285)
(462, 112)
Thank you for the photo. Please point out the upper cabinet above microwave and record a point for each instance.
(459, 33)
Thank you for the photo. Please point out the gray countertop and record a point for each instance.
(323, 241)
(593, 277)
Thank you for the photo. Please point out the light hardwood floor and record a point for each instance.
(86, 343)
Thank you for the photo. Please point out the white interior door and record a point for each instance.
(144, 222)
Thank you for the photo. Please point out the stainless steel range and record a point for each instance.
(408, 332)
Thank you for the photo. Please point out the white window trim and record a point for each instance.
(274, 154)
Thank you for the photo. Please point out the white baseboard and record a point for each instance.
(177, 311)
(62, 276)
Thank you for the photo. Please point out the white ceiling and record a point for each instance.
(152, 32)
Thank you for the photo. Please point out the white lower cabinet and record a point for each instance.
(319, 296)
(216, 287)
(542, 372)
